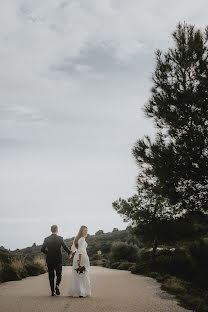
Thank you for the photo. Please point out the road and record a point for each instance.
(112, 291)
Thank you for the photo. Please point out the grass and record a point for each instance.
(16, 267)
(18, 264)
(188, 296)
(41, 261)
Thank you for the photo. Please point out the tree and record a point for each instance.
(99, 232)
(150, 215)
(115, 230)
(175, 166)
(155, 222)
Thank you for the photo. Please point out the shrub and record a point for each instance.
(9, 273)
(41, 261)
(34, 269)
(143, 255)
(199, 253)
(18, 265)
(141, 268)
(114, 265)
(121, 251)
(1, 269)
(124, 266)
(177, 263)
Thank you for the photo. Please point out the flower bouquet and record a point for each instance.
(80, 269)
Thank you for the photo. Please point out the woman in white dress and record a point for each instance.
(80, 283)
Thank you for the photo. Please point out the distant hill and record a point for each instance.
(100, 241)
(3, 248)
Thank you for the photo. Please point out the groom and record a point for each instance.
(52, 248)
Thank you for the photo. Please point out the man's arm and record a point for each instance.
(44, 246)
(64, 246)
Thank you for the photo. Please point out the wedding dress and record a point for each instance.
(80, 283)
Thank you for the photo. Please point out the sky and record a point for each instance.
(74, 78)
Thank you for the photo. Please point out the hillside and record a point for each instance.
(100, 241)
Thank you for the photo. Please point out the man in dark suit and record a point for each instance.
(52, 248)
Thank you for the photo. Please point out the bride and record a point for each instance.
(80, 283)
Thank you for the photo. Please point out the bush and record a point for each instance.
(199, 253)
(121, 251)
(9, 273)
(141, 268)
(114, 265)
(41, 261)
(194, 299)
(124, 266)
(177, 263)
(34, 269)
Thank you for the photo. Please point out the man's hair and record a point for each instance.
(54, 228)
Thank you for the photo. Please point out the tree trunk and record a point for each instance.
(155, 244)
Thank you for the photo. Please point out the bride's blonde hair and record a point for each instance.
(80, 234)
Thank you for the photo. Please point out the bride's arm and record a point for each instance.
(73, 248)
(80, 259)
(80, 249)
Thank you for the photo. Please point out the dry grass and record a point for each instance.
(190, 298)
(1, 269)
(41, 261)
(174, 285)
(18, 264)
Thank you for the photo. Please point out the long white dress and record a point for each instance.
(79, 285)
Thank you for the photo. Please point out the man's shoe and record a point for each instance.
(57, 290)
(53, 293)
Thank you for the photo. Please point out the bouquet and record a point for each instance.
(80, 269)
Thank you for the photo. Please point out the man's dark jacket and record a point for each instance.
(52, 248)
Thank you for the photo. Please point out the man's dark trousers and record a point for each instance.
(52, 269)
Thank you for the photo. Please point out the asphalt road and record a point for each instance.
(112, 291)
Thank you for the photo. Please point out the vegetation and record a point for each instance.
(15, 266)
(182, 271)
(171, 204)
(117, 249)
(99, 242)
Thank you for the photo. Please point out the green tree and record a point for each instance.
(151, 217)
(115, 230)
(155, 222)
(175, 165)
(99, 232)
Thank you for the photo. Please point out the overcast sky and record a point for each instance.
(74, 77)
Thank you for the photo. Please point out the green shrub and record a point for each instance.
(177, 263)
(144, 255)
(114, 265)
(121, 251)
(141, 268)
(9, 273)
(34, 269)
(106, 264)
(199, 253)
(124, 266)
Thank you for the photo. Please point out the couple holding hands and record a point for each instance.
(79, 285)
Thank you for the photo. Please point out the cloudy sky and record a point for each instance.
(74, 77)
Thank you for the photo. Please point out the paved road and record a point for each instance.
(112, 291)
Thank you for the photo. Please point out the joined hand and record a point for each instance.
(70, 255)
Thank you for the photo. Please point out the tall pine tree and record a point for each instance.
(175, 165)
